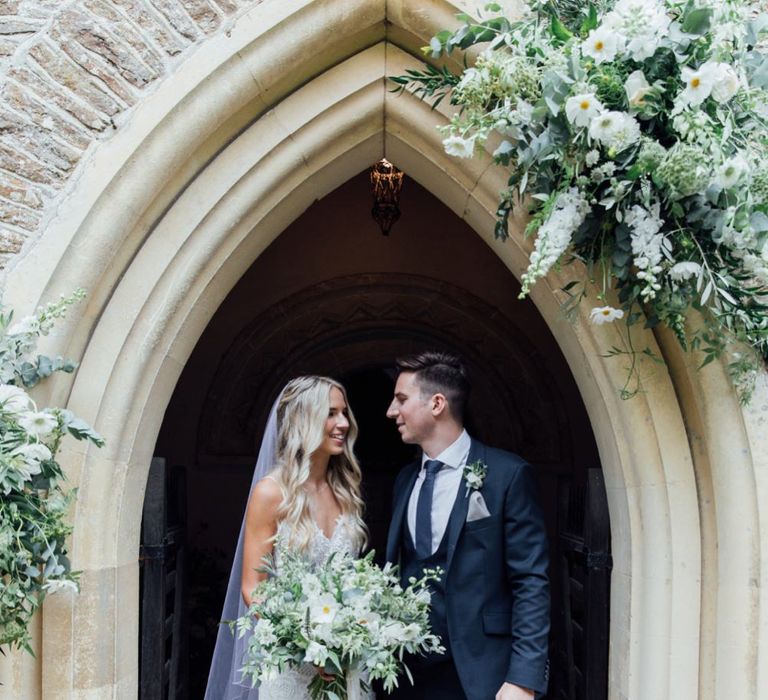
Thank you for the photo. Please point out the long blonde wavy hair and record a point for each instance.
(301, 414)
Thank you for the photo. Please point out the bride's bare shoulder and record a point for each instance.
(266, 495)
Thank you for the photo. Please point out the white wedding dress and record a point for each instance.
(292, 683)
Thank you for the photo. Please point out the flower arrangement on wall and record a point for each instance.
(636, 134)
(33, 501)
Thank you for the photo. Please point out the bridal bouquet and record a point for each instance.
(637, 130)
(349, 617)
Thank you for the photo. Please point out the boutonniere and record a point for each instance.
(474, 475)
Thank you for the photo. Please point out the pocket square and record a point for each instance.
(477, 508)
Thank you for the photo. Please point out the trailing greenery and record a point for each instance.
(33, 502)
(636, 133)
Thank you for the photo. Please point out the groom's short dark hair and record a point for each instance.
(440, 372)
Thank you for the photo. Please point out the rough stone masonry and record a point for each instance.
(70, 72)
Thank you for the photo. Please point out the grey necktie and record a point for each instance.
(424, 509)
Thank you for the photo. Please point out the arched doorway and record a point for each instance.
(332, 296)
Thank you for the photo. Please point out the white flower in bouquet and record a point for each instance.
(357, 618)
(13, 399)
(316, 654)
(614, 130)
(602, 44)
(730, 173)
(38, 423)
(726, 82)
(592, 158)
(264, 632)
(460, 147)
(605, 314)
(323, 609)
(29, 325)
(637, 88)
(580, 109)
(698, 83)
(60, 585)
(682, 271)
(642, 24)
(33, 453)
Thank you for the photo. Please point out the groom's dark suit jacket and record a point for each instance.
(497, 590)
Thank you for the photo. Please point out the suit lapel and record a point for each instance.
(398, 512)
(461, 506)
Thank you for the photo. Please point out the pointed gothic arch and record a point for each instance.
(212, 166)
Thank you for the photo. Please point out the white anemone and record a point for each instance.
(580, 109)
(698, 84)
(602, 44)
(605, 314)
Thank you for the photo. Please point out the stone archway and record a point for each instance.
(172, 210)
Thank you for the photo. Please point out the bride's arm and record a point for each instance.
(260, 527)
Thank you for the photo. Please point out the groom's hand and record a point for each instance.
(508, 691)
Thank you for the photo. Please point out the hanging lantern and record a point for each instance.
(386, 184)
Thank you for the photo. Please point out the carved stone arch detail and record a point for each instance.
(364, 320)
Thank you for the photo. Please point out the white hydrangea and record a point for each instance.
(649, 246)
(554, 236)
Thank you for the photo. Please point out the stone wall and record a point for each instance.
(70, 72)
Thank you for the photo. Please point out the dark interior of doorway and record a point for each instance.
(332, 296)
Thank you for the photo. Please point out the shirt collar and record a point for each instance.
(455, 455)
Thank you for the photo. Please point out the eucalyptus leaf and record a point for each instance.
(697, 21)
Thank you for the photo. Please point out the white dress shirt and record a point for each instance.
(447, 483)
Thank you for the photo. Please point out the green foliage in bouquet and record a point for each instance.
(33, 504)
(347, 617)
(636, 132)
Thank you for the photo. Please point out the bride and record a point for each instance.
(305, 496)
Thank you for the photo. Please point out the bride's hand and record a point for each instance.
(325, 676)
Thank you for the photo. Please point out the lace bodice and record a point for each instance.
(321, 546)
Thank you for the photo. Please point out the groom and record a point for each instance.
(472, 510)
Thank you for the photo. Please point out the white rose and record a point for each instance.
(636, 87)
(13, 399)
(726, 82)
